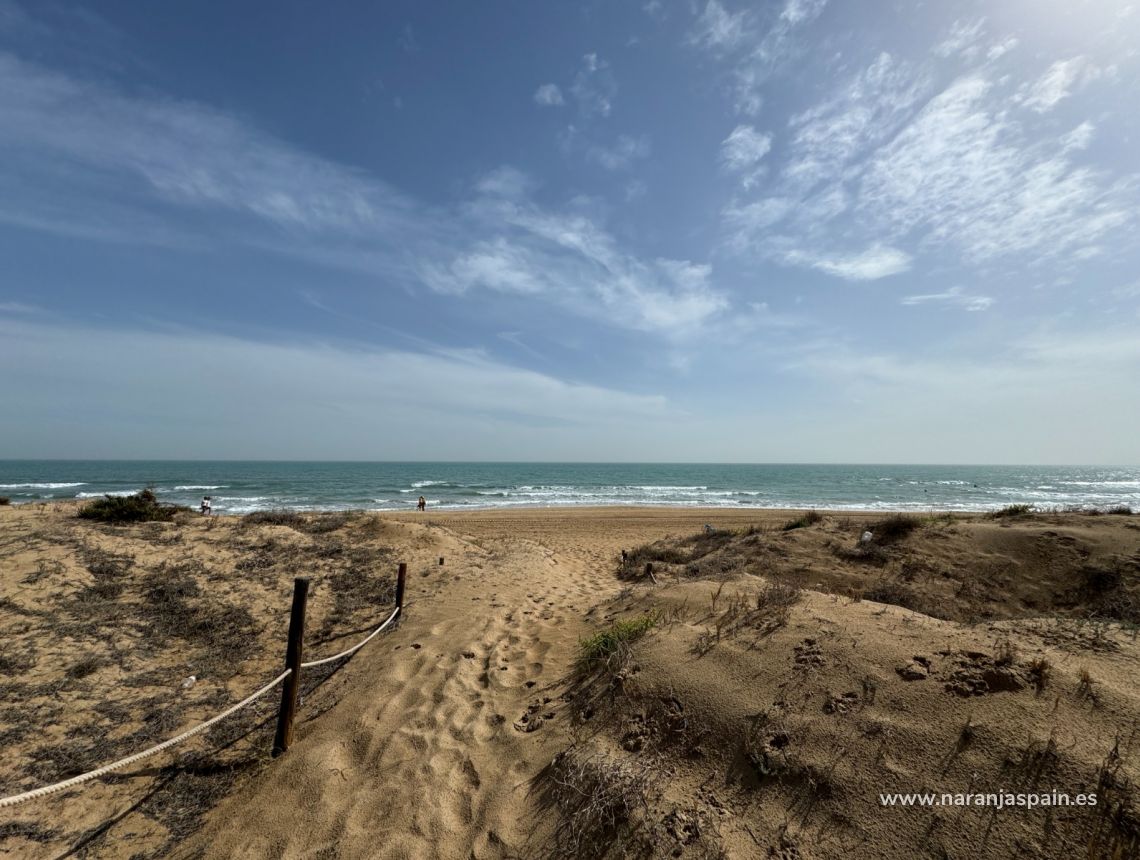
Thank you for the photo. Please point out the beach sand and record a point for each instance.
(780, 689)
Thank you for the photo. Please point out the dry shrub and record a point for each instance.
(321, 524)
(893, 528)
(807, 519)
(602, 800)
(1105, 592)
(175, 607)
(279, 517)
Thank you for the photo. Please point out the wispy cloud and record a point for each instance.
(1057, 84)
(1079, 138)
(878, 261)
(570, 261)
(963, 39)
(966, 177)
(720, 30)
(549, 95)
(742, 151)
(338, 400)
(594, 88)
(954, 296)
(892, 159)
(193, 161)
(621, 153)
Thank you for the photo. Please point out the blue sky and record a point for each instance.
(798, 230)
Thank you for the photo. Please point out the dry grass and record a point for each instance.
(603, 802)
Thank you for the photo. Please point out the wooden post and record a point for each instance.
(401, 575)
(292, 684)
(441, 561)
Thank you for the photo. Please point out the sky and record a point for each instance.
(791, 231)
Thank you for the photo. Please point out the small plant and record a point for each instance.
(1006, 654)
(1040, 673)
(807, 519)
(967, 734)
(1119, 510)
(1085, 688)
(142, 507)
(4, 500)
(1011, 511)
(614, 642)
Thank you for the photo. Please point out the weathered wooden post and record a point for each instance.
(401, 575)
(292, 684)
(441, 561)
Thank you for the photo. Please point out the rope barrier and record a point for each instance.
(121, 763)
(355, 647)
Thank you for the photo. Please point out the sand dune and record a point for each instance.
(745, 722)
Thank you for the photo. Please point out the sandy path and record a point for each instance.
(427, 753)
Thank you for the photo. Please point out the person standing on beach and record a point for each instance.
(422, 504)
(205, 508)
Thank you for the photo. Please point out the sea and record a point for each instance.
(239, 487)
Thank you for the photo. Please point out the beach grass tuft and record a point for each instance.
(614, 640)
(807, 519)
(1012, 511)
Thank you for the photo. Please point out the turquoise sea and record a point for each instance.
(243, 486)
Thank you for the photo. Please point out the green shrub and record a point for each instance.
(1012, 511)
(4, 500)
(615, 640)
(142, 507)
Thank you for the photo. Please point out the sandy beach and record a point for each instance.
(787, 675)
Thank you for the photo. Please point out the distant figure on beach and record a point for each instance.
(205, 508)
(421, 504)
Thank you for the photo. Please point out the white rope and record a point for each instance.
(77, 780)
(355, 647)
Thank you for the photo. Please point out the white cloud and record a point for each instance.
(194, 162)
(293, 399)
(797, 12)
(720, 30)
(594, 88)
(1079, 138)
(964, 176)
(866, 112)
(878, 261)
(182, 152)
(1057, 84)
(1002, 48)
(507, 182)
(549, 95)
(621, 154)
(953, 296)
(570, 261)
(19, 308)
(962, 39)
(748, 223)
(742, 150)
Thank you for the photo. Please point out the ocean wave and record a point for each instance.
(200, 487)
(43, 486)
(108, 493)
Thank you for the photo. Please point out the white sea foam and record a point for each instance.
(201, 487)
(44, 486)
(108, 493)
